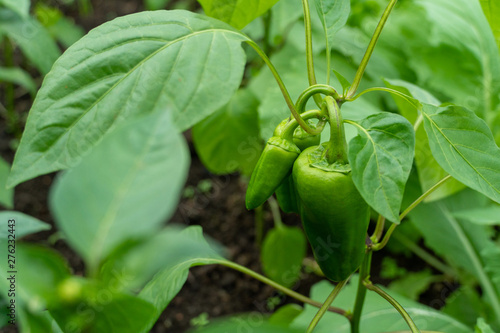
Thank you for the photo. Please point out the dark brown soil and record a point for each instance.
(216, 291)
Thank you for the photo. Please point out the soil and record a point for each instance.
(212, 290)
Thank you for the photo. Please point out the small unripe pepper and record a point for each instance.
(275, 163)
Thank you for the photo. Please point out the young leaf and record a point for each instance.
(21, 7)
(381, 157)
(285, 314)
(24, 224)
(429, 171)
(463, 145)
(182, 63)
(229, 140)
(343, 81)
(282, 253)
(32, 38)
(6, 195)
(18, 76)
(236, 13)
(378, 315)
(333, 15)
(98, 206)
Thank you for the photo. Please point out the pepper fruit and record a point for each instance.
(334, 215)
(285, 193)
(275, 163)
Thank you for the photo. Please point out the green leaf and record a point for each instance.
(229, 140)
(465, 305)
(37, 322)
(343, 81)
(104, 311)
(429, 171)
(483, 327)
(6, 195)
(169, 281)
(98, 206)
(18, 76)
(175, 244)
(24, 224)
(286, 314)
(381, 157)
(59, 27)
(236, 13)
(39, 271)
(282, 253)
(378, 315)
(463, 145)
(245, 323)
(491, 9)
(486, 215)
(458, 242)
(491, 258)
(20, 7)
(183, 63)
(412, 284)
(283, 16)
(333, 15)
(32, 38)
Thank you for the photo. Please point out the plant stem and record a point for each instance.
(379, 229)
(407, 98)
(309, 49)
(283, 89)
(259, 225)
(300, 105)
(423, 196)
(337, 150)
(424, 255)
(275, 210)
(364, 272)
(279, 287)
(414, 204)
(369, 50)
(326, 305)
(395, 304)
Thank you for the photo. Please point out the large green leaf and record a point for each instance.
(236, 13)
(21, 7)
(491, 9)
(333, 15)
(461, 243)
(381, 157)
(252, 322)
(32, 38)
(99, 205)
(168, 282)
(6, 195)
(464, 146)
(378, 315)
(282, 253)
(429, 171)
(229, 140)
(177, 61)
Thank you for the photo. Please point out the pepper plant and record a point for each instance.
(111, 110)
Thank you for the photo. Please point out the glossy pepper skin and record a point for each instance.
(275, 163)
(286, 193)
(334, 215)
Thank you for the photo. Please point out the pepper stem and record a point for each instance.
(337, 148)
